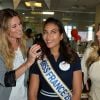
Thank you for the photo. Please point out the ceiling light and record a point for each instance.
(27, 4)
(33, 4)
(33, 12)
(48, 13)
(44, 19)
(44, 13)
(38, 4)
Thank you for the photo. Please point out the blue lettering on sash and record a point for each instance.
(51, 76)
(53, 80)
(59, 87)
(44, 66)
(67, 98)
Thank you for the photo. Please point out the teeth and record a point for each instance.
(48, 41)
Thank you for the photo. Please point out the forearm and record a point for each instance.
(32, 97)
(33, 87)
(11, 76)
(77, 85)
(22, 69)
(76, 97)
(76, 94)
(32, 55)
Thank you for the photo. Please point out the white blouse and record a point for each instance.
(19, 92)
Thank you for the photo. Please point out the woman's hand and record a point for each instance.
(33, 53)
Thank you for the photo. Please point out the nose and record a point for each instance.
(49, 35)
(19, 27)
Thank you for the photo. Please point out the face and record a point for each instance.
(15, 28)
(98, 35)
(52, 36)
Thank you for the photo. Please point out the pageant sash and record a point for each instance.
(54, 80)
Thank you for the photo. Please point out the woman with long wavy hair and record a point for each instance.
(91, 68)
(15, 57)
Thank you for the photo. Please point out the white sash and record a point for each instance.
(54, 80)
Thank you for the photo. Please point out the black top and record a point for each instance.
(66, 76)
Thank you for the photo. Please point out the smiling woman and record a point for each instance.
(15, 29)
(15, 57)
(58, 72)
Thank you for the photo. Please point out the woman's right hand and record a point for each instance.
(33, 54)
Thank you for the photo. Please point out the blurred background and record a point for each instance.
(80, 15)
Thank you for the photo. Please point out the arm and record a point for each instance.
(77, 85)
(33, 87)
(32, 55)
(10, 77)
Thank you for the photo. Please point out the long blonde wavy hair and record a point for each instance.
(6, 49)
(94, 55)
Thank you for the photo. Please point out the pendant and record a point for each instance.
(64, 66)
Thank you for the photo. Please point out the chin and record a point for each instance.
(19, 37)
(49, 46)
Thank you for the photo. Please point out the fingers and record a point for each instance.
(33, 54)
(35, 48)
(35, 51)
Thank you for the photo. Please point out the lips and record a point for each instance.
(20, 33)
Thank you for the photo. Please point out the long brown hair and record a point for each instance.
(65, 48)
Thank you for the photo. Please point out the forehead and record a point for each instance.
(51, 26)
(14, 20)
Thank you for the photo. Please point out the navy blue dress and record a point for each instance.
(46, 93)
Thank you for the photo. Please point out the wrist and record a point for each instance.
(27, 65)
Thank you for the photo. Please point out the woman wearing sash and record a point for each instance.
(13, 53)
(58, 77)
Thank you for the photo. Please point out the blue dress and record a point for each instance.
(46, 92)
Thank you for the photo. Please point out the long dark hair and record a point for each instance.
(65, 48)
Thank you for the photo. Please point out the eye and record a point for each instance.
(20, 24)
(54, 31)
(14, 26)
(45, 32)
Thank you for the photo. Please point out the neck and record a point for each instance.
(55, 53)
(14, 43)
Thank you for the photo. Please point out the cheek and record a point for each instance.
(58, 37)
(98, 33)
(12, 33)
(44, 37)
